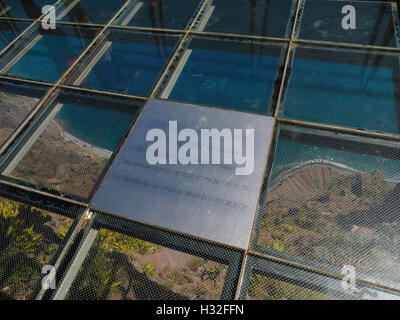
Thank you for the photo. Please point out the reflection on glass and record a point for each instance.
(358, 89)
(120, 267)
(226, 74)
(126, 62)
(29, 238)
(88, 11)
(322, 20)
(73, 145)
(263, 287)
(9, 30)
(16, 101)
(269, 18)
(26, 9)
(333, 206)
(169, 14)
(46, 54)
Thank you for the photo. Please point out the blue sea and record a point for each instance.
(99, 127)
(208, 78)
(49, 58)
(290, 154)
(232, 80)
(342, 94)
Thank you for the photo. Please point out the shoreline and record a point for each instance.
(338, 167)
(70, 137)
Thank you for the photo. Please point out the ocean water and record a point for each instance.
(6, 36)
(89, 11)
(99, 127)
(289, 154)
(322, 20)
(27, 9)
(227, 79)
(262, 18)
(49, 58)
(129, 67)
(170, 14)
(342, 94)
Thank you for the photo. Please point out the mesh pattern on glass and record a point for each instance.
(73, 145)
(267, 287)
(334, 202)
(345, 87)
(220, 72)
(123, 267)
(29, 238)
(266, 279)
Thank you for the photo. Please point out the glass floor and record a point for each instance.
(304, 202)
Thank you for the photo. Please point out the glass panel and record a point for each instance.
(9, 30)
(169, 14)
(350, 88)
(16, 101)
(26, 9)
(335, 202)
(88, 11)
(322, 20)
(231, 74)
(120, 267)
(29, 238)
(46, 54)
(266, 279)
(212, 201)
(268, 18)
(262, 287)
(73, 144)
(125, 61)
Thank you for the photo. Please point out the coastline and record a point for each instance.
(285, 171)
(69, 137)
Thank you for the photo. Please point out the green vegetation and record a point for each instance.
(148, 269)
(28, 240)
(123, 267)
(62, 232)
(339, 218)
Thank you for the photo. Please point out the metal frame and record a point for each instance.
(295, 274)
(244, 258)
(303, 133)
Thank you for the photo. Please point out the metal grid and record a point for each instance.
(242, 276)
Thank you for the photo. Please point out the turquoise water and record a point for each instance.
(49, 58)
(342, 94)
(89, 11)
(170, 14)
(221, 78)
(129, 67)
(289, 154)
(262, 18)
(322, 21)
(99, 127)
(6, 36)
(27, 9)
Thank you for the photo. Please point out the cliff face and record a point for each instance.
(59, 164)
(13, 110)
(306, 182)
(335, 216)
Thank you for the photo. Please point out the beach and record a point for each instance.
(67, 136)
